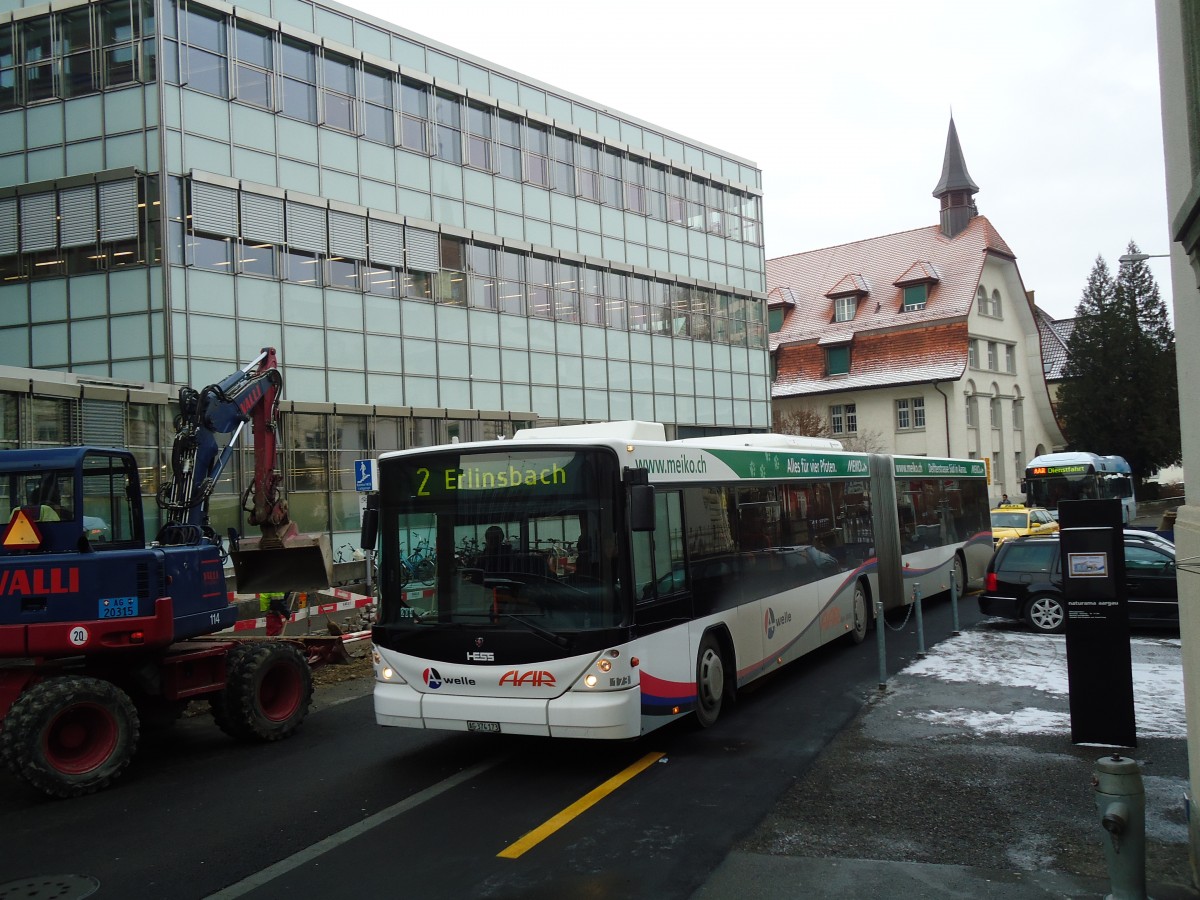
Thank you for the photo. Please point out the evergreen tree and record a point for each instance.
(1120, 393)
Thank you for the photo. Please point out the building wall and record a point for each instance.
(1179, 146)
(1003, 385)
(673, 327)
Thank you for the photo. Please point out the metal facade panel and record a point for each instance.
(8, 226)
(262, 218)
(119, 210)
(214, 209)
(39, 222)
(347, 235)
(422, 249)
(78, 220)
(387, 243)
(306, 228)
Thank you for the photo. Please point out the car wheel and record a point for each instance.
(1046, 614)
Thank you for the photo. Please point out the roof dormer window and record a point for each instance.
(915, 284)
(845, 308)
(915, 297)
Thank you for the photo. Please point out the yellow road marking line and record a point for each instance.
(584, 803)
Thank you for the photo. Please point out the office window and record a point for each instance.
(594, 311)
(120, 29)
(479, 136)
(676, 203)
(511, 283)
(616, 293)
(915, 296)
(204, 53)
(973, 353)
(845, 309)
(337, 98)
(635, 185)
(972, 411)
(508, 146)
(656, 196)
(8, 67)
(447, 117)
(843, 418)
(537, 151)
(1010, 359)
(918, 409)
(562, 148)
(414, 119)
(611, 185)
(253, 72)
(378, 106)
(587, 167)
(539, 284)
(450, 285)
(837, 360)
(481, 263)
(298, 63)
(75, 47)
(566, 291)
(993, 356)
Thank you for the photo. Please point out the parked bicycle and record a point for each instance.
(420, 564)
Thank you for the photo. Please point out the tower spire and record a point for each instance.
(955, 189)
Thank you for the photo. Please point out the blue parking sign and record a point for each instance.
(365, 474)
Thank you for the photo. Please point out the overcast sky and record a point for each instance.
(845, 108)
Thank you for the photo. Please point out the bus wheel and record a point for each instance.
(862, 614)
(70, 736)
(710, 681)
(960, 574)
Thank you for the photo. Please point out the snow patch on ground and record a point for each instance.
(1039, 662)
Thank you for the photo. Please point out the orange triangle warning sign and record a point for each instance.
(21, 532)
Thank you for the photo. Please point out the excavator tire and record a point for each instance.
(268, 693)
(70, 736)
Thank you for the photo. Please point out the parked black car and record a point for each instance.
(1024, 581)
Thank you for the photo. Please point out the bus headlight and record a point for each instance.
(591, 680)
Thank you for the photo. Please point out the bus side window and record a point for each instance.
(659, 566)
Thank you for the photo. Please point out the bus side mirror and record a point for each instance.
(641, 507)
(1025, 487)
(641, 500)
(370, 523)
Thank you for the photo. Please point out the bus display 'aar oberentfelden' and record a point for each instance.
(600, 581)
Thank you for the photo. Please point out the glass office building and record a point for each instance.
(439, 247)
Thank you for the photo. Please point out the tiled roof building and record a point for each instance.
(920, 342)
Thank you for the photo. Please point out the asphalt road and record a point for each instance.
(348, 807)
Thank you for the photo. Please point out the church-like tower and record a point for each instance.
(955, 189)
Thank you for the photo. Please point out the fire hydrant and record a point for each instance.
(1121, 802)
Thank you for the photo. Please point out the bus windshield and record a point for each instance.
(510, 536)
(1050, 490)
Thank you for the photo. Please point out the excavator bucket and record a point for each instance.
(301, 562)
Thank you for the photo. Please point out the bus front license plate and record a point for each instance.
(483, 726)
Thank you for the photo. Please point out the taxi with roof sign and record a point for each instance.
(1010, 520)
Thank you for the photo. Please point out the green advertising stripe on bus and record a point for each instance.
(940, 468)
(772, 464)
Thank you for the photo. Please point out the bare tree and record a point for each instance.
(809, 423)
(802, 420)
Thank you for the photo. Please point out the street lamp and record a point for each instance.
(1140, 257)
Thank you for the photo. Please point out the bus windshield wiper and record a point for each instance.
(537, 629)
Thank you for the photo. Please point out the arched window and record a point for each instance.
(996, 308)
(981, 300)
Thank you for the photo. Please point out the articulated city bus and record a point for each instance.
(599, 581)
(1053, 477)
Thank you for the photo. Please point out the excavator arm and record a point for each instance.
(280, 559)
